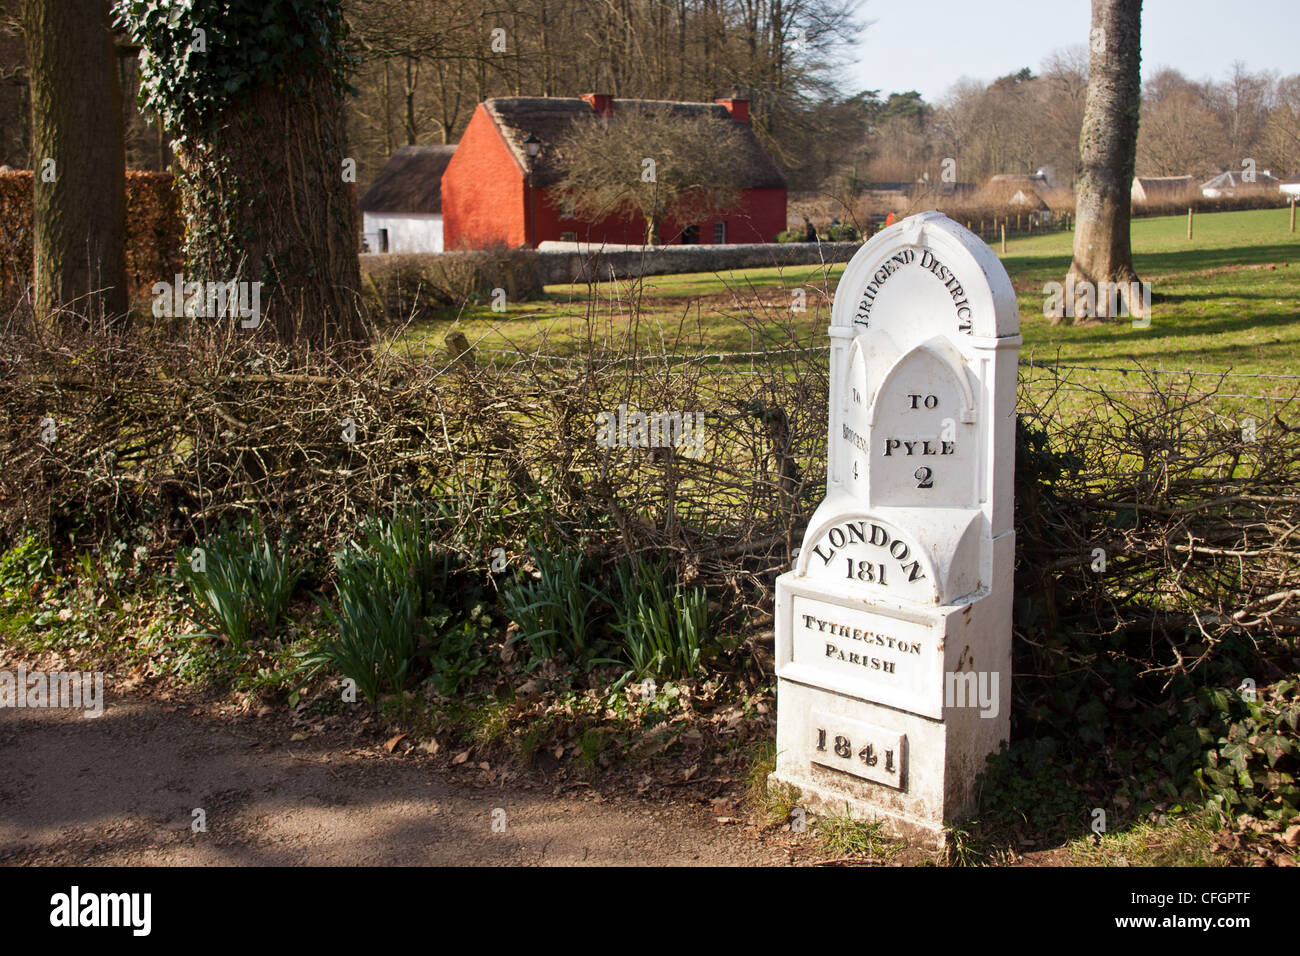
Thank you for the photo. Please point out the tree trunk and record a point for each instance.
(390, 143)
(78, 156)
(264, 200)
(412, 78)
(1108, 153)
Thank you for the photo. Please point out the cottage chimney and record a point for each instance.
(738, 108)
(602, 103)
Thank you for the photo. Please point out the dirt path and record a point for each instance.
(121, 788)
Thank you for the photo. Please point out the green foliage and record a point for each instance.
(400, 603)
(773, 804)
(23, 567)
(454, 656)
(389, 598)
(844, 836)
(377, 627)
(663, 625)
(1033, 784)
(244, 45)
(556, 610)
(791, 235)
(1252, 760)
(1182, 841)
(593, 742)
(489, 723)
(844, 232)
(958, 849)
(243, 587)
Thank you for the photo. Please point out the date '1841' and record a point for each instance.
(844, 748)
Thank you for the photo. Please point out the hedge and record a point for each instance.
(153, 232)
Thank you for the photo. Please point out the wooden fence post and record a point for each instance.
(459, 349)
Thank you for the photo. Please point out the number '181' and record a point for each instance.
(865, 571)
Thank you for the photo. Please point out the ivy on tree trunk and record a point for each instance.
(252, 93)
(263, 195)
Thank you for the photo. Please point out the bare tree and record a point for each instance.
(1180, 129)
(1243, 104)
(782, 55)
(1282, 135)
(1060, 117)
(1108, 152)
(651, 163)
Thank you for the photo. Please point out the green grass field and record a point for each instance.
(1228, 300)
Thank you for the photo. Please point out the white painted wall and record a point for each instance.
(410, 232)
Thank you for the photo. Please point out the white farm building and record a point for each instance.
(402, 209)
(1234, 183)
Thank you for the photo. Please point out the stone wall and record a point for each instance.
(447, 277)
(571, 262)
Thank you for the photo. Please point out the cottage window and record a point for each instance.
(719, 233)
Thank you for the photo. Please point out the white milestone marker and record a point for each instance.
(893, 630)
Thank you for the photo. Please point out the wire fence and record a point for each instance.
(1063, 376)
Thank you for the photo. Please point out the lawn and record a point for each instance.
(1227, 300)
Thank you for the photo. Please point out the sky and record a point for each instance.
(929, 46)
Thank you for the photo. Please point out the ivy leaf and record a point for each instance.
(1237, 755)
(1274, 747)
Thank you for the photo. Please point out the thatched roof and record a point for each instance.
(411, 181)
(1232, 179)
(1162, 187)
(551, 118)
(1012, 189)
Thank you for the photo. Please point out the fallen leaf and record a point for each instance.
(1291, 837)
(651, 743)
(485, 765)
(558, 752)
(297, 737)
(392, 742)
(460, 758)
(690, 772)
(430, 747)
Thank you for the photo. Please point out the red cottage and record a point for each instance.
(493, 192)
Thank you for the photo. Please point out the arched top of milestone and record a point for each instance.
(924, 275)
